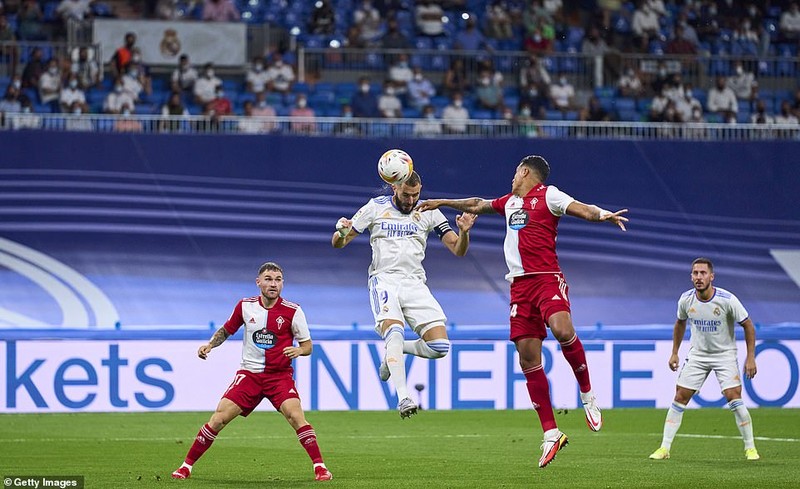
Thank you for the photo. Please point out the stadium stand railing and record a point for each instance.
(396, 128)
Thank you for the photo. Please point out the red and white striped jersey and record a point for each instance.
(267, 332)
(531, 229)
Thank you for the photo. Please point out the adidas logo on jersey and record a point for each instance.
(556, 298)
(292, 391)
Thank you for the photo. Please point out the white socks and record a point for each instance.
(673, 422)
(394, 340)
(743, 421)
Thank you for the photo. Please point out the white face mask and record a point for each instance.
(133, 73)
(210, 73)
(458, 103)
(739, 70)
(26, 110)
(365, 88)
(485, 82)
(526, 112)
(262, 104)
(220, 94)
(17, 84)
(53, 70)
(137, 59)
(73, 83)
(390, 91)
(418, 77)
(259, 67)
(302, 103)
(126, 112)
(562, 80)
(430, 116)
(688, 94)
(76, 111)
(118, 88)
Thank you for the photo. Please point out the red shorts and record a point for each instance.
(534, 298)
(248, 389)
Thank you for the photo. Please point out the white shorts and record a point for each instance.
(697, 367)
(404, 299)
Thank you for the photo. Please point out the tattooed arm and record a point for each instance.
(219, 337)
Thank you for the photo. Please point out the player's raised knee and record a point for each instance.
(439, 348)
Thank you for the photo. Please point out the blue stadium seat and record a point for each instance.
(625, 104)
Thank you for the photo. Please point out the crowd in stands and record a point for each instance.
(536, 90)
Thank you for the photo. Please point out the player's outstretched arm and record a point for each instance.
(750, 342)
(219, 337)
(677, 338)
(303, 349)
(344, 233)
(473, 205)
(596, 214)
(459, 245)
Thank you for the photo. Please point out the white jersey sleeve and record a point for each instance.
(738, 312)
(557, 201)
(438, 223)
(683, 302)
(364, 217)
(300, 326)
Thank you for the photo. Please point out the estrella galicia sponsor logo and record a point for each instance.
(518, 220)
(263, 339)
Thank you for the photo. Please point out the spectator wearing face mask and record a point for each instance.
(303, 117)
(132, 83)
(50, 85)
(687, 104)
(281, 75)
(127, 123)
(364, 102)
(562, 94)
(71, 92)
(742, 82)
(488, 94)
(117, 98)
(141, 71)
(205, 88)
(455, 116)
(184, 76)
(420, 90)
(75, 122)
(346, 126)
(400, 73)
(428, 125)
(388, 103)
(220, 105)
(645, 26)
(257, 77)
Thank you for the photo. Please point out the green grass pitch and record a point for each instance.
(435, 449)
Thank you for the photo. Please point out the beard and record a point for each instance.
(402, 208)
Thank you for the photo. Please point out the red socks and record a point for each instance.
(308, 438)
(539, 392)
(205, 437)
(576, 357)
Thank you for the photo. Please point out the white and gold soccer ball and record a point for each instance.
(395, 166)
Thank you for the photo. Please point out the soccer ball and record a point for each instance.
(395, 166)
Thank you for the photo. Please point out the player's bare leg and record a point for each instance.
(561, 325)
(293, 412)
(226, 412)
(743, 420)
(530, 361)
(393, 335)
(673, 422)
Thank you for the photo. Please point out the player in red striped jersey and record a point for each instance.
(539, 293)
(272, 324)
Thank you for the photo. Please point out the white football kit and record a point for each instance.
(713, 343)
(396, 277)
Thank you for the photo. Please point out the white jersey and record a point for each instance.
(398, 240)
(712, 322)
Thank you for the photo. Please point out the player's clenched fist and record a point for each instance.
(203, 351)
